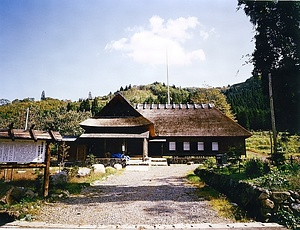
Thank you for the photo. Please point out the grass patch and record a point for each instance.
(217, 201)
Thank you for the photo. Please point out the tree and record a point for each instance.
(4, 101)
(277, 51)
(85, 106)
(43, 96)
(95, 107)
(212, 95)
(90, 96)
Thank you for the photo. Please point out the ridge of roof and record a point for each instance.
(138, 106)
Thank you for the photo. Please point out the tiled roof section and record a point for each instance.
(115, 122)
(29, 134)
(190, 120)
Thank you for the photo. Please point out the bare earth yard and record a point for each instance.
(158, 196)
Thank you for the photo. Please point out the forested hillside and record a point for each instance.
(242, 102)
(249, 104)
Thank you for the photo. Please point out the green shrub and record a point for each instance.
(278, 158)
(287, 218)
(256, 168)
(209, 162)
(275, 180)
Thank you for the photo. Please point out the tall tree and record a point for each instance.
(43, 95)
(277, 51)
(95, 107)
(90, 96)
(212, 95)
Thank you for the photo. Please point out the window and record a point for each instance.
(215, 146)
(172, 145)
(186, 146)
(200, 146)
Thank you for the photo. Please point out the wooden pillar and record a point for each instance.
(145, 148)
(272, 115)
(47, 171)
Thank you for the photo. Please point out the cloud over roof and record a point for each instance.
(150, 45)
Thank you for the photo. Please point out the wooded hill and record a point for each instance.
(243, 102)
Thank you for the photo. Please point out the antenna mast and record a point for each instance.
(27, 115)
(168, 76)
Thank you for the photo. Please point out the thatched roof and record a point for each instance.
(118, 113)
(115, 122)
(166, 120)
(191, 120)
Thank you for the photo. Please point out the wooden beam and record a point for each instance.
(32, 133)
(52, 134)
(16, 165)
(11, 132)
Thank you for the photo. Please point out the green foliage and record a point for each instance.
(193, 178)
(85, 106)
(44, 114)
(234, 154)
(209, 162)
(260, 142)
(277, 53)
(256, 167)
(90, 159)
(63, 153)
(275, 180)
(286, 218)
(212, 95)
(277, 158)
(249, 105)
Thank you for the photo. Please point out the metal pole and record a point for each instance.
(168, 76)
(27, 115)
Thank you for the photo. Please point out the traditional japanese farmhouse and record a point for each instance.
(156, 130)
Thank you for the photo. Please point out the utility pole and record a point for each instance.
(272, 115)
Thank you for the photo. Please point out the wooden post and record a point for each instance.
(47, 171)
(272, 115)
(145, 148)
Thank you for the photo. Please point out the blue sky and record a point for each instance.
(69, 48)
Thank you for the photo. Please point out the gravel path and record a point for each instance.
(158, 196)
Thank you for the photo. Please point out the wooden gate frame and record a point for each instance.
(45, 165)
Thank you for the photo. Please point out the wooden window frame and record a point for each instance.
(186, 146)
(215, 146)
(172, 146)
(200, 143)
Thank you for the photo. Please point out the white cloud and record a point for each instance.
(150, 45)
